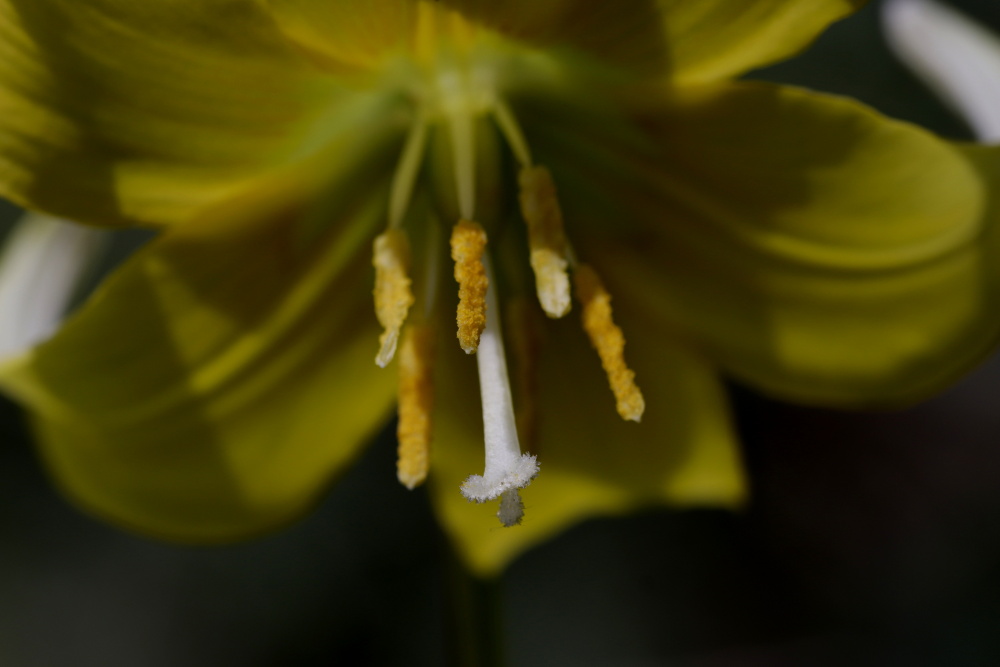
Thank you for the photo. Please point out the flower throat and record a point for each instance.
(458, 90)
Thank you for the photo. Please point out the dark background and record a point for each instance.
(871, 539)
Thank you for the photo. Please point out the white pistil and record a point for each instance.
(507, 469)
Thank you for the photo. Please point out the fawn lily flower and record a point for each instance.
(615, 210)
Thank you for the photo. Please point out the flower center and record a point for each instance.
(457, 96)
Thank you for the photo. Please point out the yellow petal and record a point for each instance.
(364, 35)
(816, 249)
(348, 35)
(716, 39)
(592, 463)
(212, 387)
(691, 41)
(113, 111)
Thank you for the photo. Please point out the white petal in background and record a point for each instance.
(955, 56)
(41, 267)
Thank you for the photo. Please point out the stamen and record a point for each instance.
(463, 143)
(549, 248)
(468, 242)
(608, 340)
(416, 401)
(431, 262)
(511, 131)
(406, 172)
(393, 298)
(506, 467)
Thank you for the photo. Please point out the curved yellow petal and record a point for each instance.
(351, 35)
(115, 112)
(816, 249)
(211, 388)
(363, 36)
(717, 39)
(690, 41)
(593, 463)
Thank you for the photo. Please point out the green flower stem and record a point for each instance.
(473, 613)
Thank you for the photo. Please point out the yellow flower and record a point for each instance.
(564, 150)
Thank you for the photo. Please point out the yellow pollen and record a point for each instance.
(608, 340)
(416, 401)
(546, 240)
(468, 242)
(393, 298)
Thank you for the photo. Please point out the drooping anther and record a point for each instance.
(416, 403)
(393, 297)
(546, 239)
(608, 340)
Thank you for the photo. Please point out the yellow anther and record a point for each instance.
(468, 242)
(546, 240)
(416, 401)
(608, 340)
(393, 298)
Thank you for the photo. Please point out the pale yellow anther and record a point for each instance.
(393, 298)
(468, 243)
(416, 401)
(546, 240)
(608, 340)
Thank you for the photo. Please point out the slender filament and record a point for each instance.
(407, 171)
(511, 130)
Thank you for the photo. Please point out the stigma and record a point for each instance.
(454, 109)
